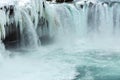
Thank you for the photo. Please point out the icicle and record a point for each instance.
(2, 23)
(18, 18)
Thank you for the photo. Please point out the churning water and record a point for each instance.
(85, 42)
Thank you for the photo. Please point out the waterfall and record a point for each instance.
(28, 35)
(101, 18)
(35, 20)
(41, 40)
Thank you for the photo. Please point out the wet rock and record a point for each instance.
(11, 9)
(91, 4)
(49, 0)
(68, 0)
(111, 3)
(12, 38)
(61, 1)
(43, 27)
(11, 29)
(81, 6)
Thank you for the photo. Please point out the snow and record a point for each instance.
(13, 2)
(23, 2)
(6, 2)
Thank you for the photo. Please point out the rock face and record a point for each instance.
(61, 1)
(11, 29)
(13, 38)
(48, 0)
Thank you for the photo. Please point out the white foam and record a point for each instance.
(37, 67)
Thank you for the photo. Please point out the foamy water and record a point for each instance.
(81, 60)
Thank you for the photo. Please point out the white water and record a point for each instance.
(86, 43)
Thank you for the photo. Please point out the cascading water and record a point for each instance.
(84, 34)
(29, 35)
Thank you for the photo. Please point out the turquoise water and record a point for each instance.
(80, 60)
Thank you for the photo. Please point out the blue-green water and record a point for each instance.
(80, 60)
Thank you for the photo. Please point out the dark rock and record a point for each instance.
(91, 4)
(12, 38)
(61, 1)
(81, 6)
(12, 30)
(43, 5)
(48, 0)
(43, 27)
(68, 0)
(11, 8)
(111, 3)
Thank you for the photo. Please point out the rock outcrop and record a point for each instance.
(61, 1)
(11, 29)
